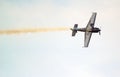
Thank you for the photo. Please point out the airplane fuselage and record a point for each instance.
(93, 30)
(88, 30)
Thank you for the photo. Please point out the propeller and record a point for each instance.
(100, 31)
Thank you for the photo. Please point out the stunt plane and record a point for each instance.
(88, 30)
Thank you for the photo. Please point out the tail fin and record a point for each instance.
(74, 31)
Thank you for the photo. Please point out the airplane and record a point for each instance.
(88, 30)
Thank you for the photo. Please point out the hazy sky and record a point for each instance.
(57, 54)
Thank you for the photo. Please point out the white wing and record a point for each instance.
(89, 27)
(87, 38)
(91, 22)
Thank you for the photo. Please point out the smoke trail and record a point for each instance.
(18, 31)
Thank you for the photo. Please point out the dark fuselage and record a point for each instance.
(93, 30)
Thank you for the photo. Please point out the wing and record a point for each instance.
(91, 22)
(87, 38)
(89, 27)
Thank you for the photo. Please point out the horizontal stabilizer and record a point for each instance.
(74, 30)
(73, 33)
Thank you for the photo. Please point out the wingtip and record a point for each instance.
(94, 12)
(85, 46)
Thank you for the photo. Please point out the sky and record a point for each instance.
(56, 53)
